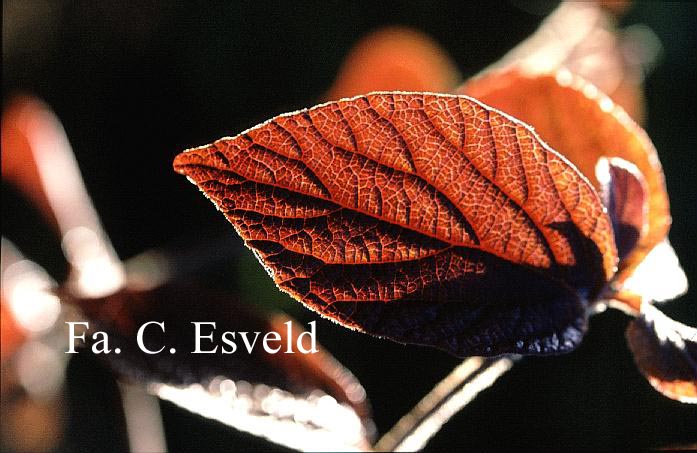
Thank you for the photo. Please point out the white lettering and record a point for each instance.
(73, 337)
(267, 340)
(139, 338)
(199, 337)
(313, 340)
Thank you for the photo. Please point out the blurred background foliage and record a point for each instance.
(134, 83)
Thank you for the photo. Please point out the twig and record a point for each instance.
(57, 185)
(96, 269)
(449, 396)
(143, 419)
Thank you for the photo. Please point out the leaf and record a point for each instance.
(268, 395)
(394, 58)
(666, 353)
(29, 305)
(658, 277)
(584, 125)
(177, 305)
(582, 37)
(12, 333)
(625, 196)
(23, 119)
(616, 7)
(290, 392)
(315, 422)
(38, 159)
(427, 219)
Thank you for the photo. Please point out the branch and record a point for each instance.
(413, 431)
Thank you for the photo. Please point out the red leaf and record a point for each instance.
(584, 125)
(11, 335)
(122, 313)
(266, 394)
(395, 58)
(591, 47)
(25, 121)
(428, 219)
(28, 305)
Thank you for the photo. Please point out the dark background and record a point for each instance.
(136, 82)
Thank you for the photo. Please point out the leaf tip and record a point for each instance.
(180, 162)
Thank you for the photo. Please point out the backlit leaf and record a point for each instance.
(395, 58)
(297, 400)
(266, 394)
(38, 159)
(427, 219)
(177, 305)
(666, 353)
(659, 277)
(616, 7)
(577, 120)
(24, 122)
(624, 194)
(582, 37)
(314, 422)
(12, 333)
(30, 307)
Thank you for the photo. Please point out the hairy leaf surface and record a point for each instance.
(428, 219)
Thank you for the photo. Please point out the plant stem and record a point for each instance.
(143, 419)
(57, 186)
(413, 431)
